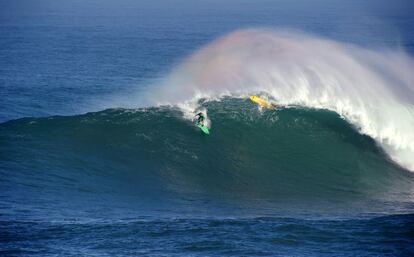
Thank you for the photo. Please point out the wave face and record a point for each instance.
(373, 90)
(285, 157)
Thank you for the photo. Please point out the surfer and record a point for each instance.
(200, 122)
(200, 118)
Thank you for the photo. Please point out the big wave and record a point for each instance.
(291, 154)
(371, 89)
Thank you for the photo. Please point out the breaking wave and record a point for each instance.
(371, 89)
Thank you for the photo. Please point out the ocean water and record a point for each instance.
(99, 155)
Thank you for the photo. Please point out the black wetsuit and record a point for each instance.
(200, 119)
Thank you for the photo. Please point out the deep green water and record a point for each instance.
(264, 181)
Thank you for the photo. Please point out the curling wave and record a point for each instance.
(287, 155)
(371, 89)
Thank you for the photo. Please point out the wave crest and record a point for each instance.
(372, 89)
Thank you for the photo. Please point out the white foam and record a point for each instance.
(373, 89)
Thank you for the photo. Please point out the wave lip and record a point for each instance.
(372, 89)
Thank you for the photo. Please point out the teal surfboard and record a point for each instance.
(203, 128)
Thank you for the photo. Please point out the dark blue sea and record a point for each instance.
(100, 156)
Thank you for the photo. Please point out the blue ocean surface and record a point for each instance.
(99, 155)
